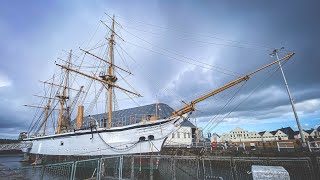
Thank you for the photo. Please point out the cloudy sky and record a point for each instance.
(182, 49)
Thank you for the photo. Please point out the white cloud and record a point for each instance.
(4, 80)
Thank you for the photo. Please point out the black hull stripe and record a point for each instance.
(99, 131)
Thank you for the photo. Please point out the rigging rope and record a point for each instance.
(259, 85)
(212, 121)
(231, 73)
(263, 47)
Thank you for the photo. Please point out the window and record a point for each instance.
(178, 135)
(185, 135)
(172, 135)
(188, 135)
(104, 122)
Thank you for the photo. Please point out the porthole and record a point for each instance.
(151, 137)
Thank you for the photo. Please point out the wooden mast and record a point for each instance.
(46, 117)
(108, 79)
(111, 78)
(47, 110)
(64, 96)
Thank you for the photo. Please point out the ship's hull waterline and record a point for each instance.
(143, 137)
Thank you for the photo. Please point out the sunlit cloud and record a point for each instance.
(4, 80)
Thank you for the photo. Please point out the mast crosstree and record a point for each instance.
(108, 79)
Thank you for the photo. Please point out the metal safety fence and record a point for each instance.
(158, 167)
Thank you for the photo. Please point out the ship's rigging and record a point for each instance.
(107, 79)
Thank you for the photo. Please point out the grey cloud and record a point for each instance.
(273, 23)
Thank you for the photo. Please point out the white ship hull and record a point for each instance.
(113, 141)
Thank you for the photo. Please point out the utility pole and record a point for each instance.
(275, 53)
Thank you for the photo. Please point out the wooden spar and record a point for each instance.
(44, 97)
(59, 85)
(87, 52)
(112, 29)
(33, 106)
(110, 71)
(64, 96)
(191, 107)
(46, 117)
(97, 79)
(47, 110)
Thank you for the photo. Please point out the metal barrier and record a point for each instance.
(314, 146)
(15, 146)
(156, 167)
(285, 145)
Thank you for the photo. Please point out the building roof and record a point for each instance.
(287, 130)
(261, 133)
(237, 129)
(297, 132)
(187, 123)
(137, 113)
(309, 131)
(274, 132)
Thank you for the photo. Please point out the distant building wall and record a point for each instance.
(181, 137)
(281, 135)
(298, 136)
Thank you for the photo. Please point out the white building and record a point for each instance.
(215, 138)
(267, 136)
(183, 136)
(313, 133)
(240, 135)
(297, 134)
(279, 135)
(254, 136)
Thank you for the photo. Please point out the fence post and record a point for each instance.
(42, 171)
(309, 146)
(132, 168)
(173, 166)
(278, 146)
(151, 168)
(198, 167)
(204, 169)
(99, 168)
(233, 169)
(74, 169)
(120, 166)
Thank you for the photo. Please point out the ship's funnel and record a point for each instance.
(80, 117)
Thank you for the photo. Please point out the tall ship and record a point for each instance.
(75, 132)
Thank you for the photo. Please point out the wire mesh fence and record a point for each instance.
(86, 169)
(158, 167)
(57, 171)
